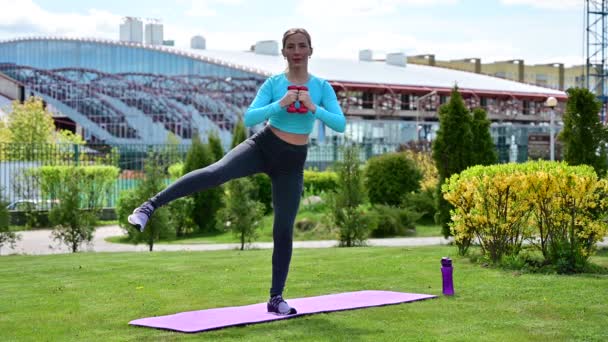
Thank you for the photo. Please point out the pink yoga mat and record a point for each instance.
(210, 319)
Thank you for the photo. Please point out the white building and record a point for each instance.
(154, 33)
(198, 43)
(131, 30)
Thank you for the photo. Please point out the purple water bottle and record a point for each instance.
(446, 271)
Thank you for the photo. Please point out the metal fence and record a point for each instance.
(16, 159)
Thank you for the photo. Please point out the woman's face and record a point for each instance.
(296, 50)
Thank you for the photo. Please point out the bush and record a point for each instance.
(158, 226)
(558, 208)
(207, 202)
(423, 202)
(72, 226)
(6, 236)
(27, 186)
(316, 182)
(176, 170)
(393, 221)
(80, 193)
(424, 162)
(388, 177)
(305, 225)
(179, 218)
(180, 209)
(263, 191)
(347, 211)
(241, 213)
(95, 182)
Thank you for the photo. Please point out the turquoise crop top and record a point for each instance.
(266, 106)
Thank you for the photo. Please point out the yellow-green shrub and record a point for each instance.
(489, 206)
(316, 182)
(556, 207)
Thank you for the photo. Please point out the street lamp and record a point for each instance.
(551, 103)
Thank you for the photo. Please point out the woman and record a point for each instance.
(278, 150)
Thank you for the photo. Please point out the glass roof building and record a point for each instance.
(121, 92)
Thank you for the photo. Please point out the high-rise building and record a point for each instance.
(154, 32)
(131, 30)
(198, 42)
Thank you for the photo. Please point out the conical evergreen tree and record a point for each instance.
(452, 149)
(239, 134)
(206, 202)
(584, 137)
(215, 144)
(484, 151)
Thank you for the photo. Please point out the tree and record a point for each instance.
(584, 137)
(451, 150)
(241, 212)
(30, 131)
(157, 227)
(5, 133)
(347, 211)
(72, 226)
(30, 123)
(209, 201)
(6, 236)
(215, 144)
(239, 134)
(484, 151)
(68, 137)
(171, 149)
(80, 193)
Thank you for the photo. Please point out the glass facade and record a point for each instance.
(122, 93)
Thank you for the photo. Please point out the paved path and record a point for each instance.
(38, 242)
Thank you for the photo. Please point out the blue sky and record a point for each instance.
(539, 31)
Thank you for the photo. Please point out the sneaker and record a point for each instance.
(279, 306)
(141, 215)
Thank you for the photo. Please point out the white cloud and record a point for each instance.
(386, 42)
(216, 40)
(353, 8)
(341, 37)
(206, 8)
(200, 9)
(27, 18)
(547, 4)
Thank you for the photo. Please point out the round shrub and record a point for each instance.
(389, 177)
(393, 221)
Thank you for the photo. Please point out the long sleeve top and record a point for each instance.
(266, 106)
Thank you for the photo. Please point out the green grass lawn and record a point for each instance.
(92, 297)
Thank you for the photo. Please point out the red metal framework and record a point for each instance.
(387, 99)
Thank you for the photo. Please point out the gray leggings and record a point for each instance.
(262, 152)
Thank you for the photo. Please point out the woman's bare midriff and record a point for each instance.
(292, 138)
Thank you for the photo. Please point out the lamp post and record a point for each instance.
(551, 103)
